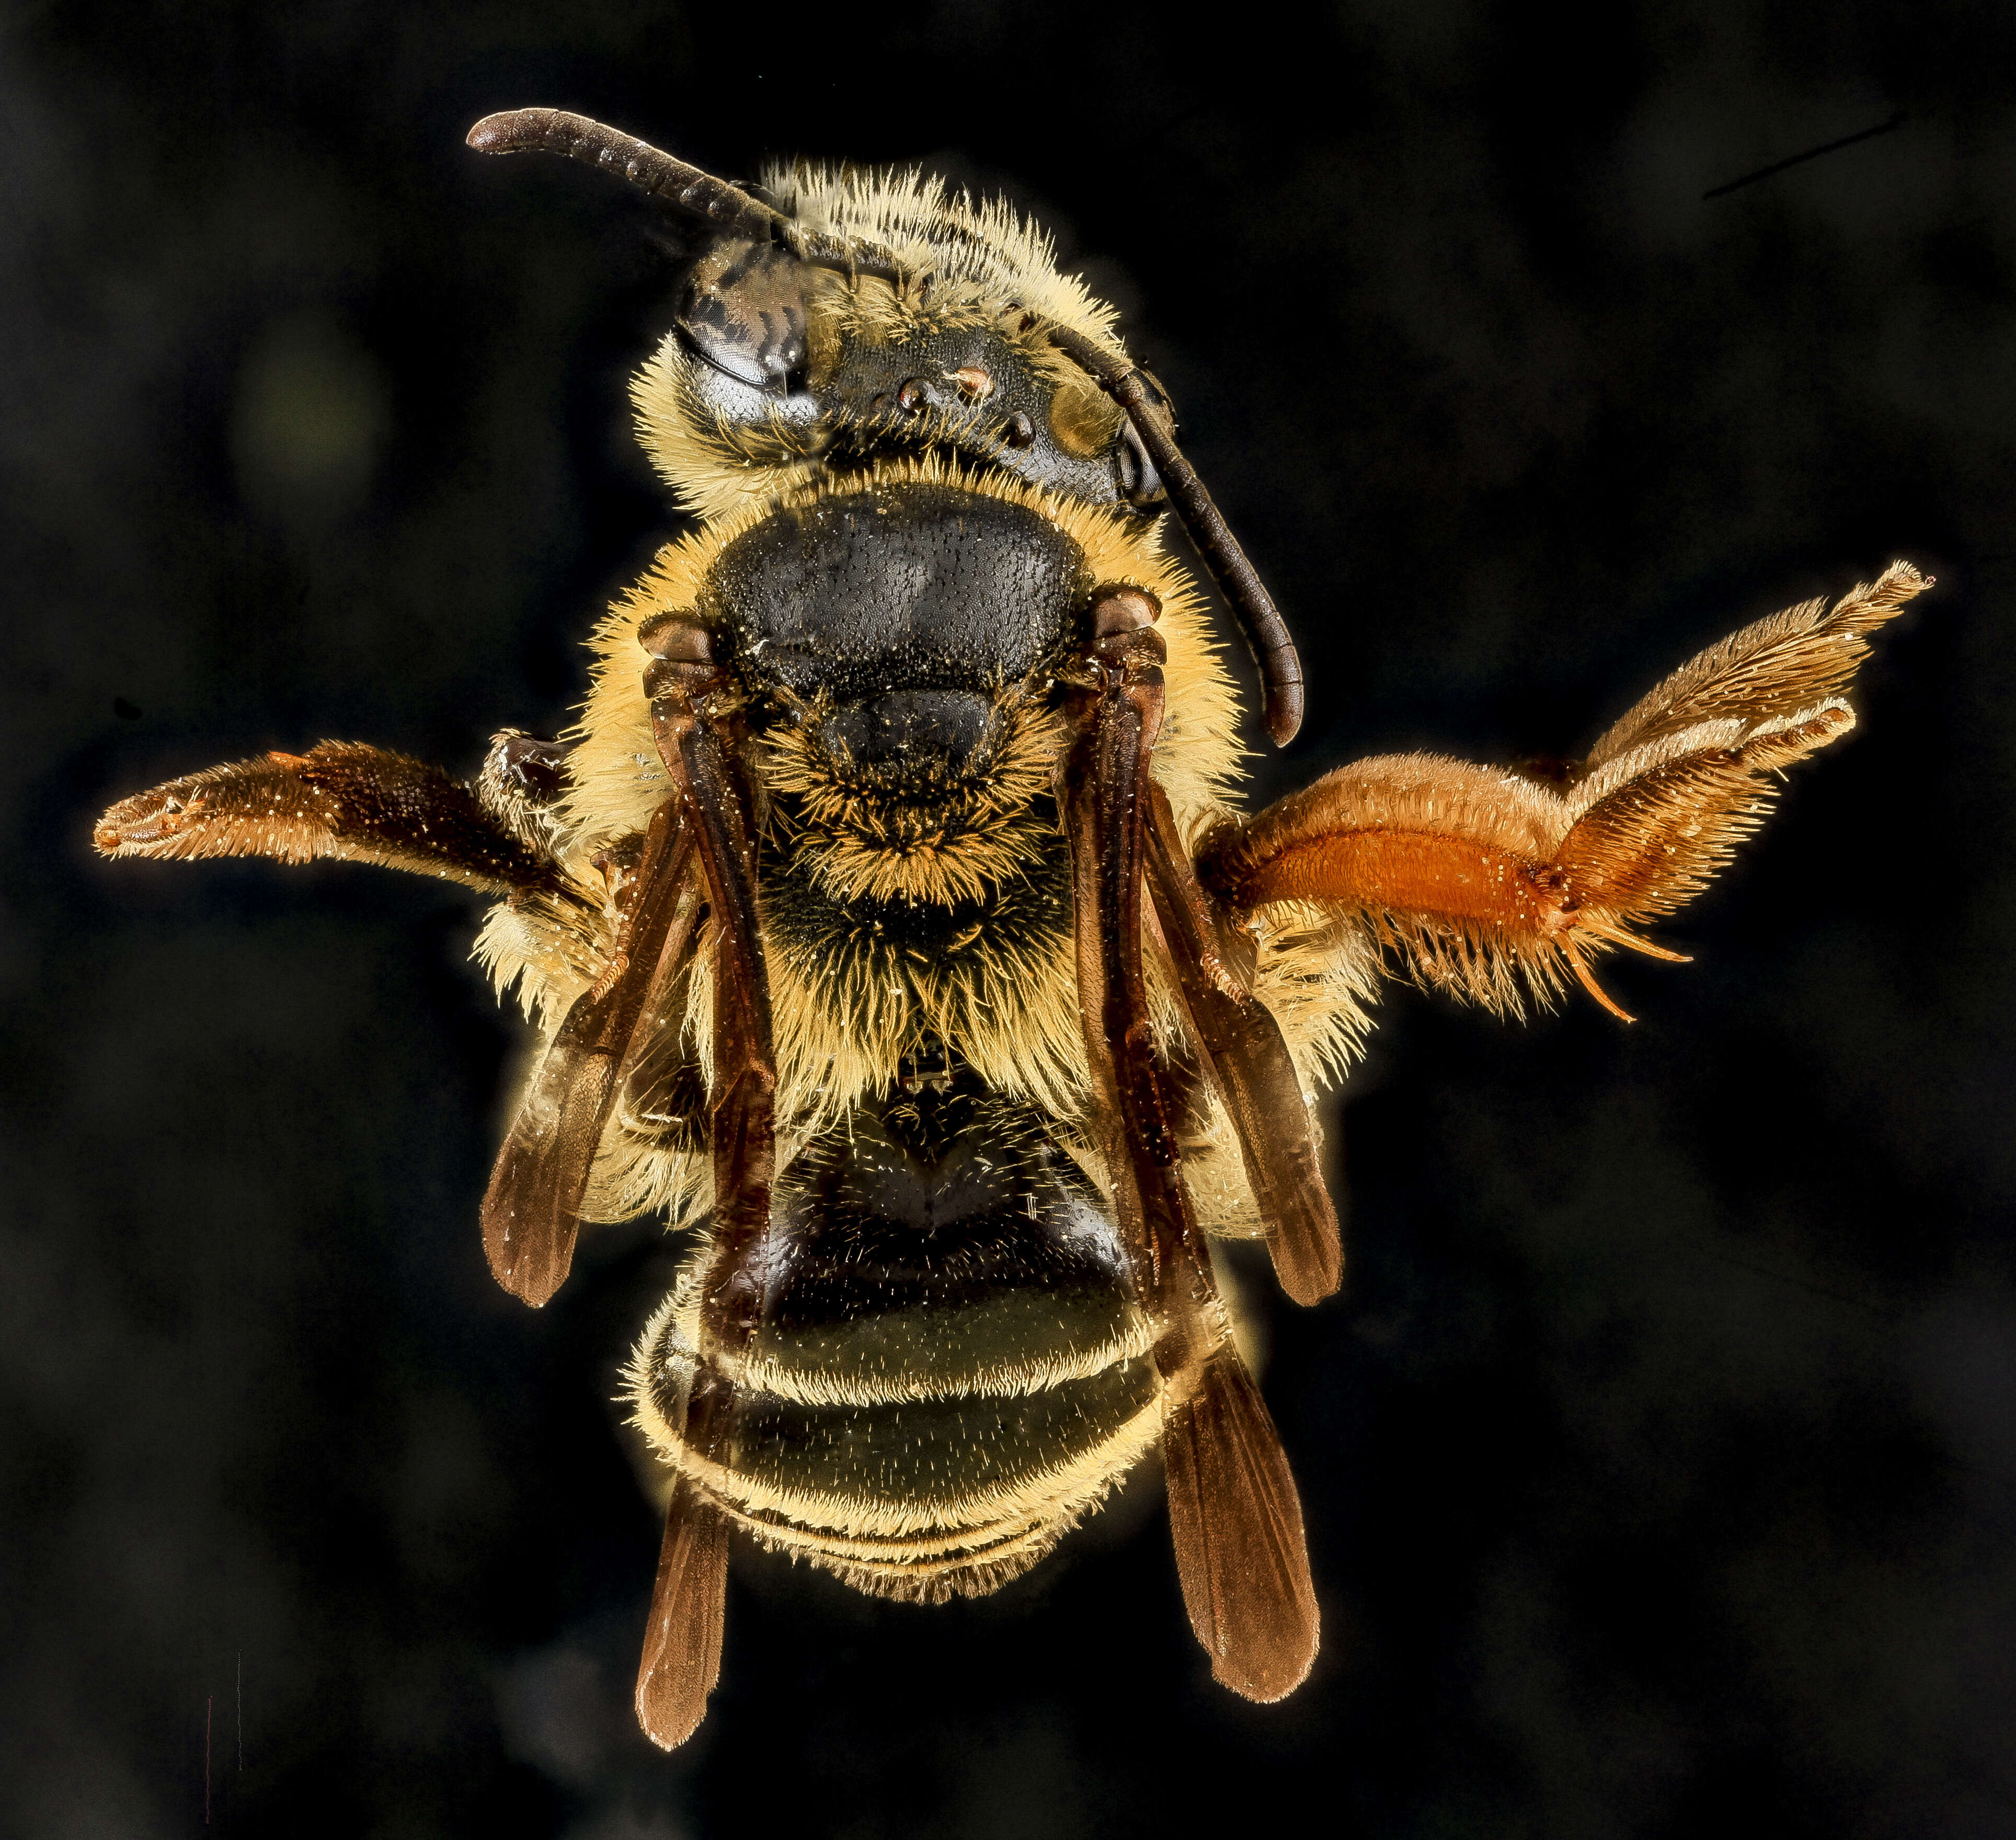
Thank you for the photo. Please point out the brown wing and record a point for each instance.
(532, 1211)
(1237, 1525)
(1249, 1063)
(689, 1603)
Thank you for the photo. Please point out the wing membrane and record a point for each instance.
(1237, 1523)
(1249, 1062)
(532, 1211)
(688, 1604)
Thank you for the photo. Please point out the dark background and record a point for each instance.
(1660, 1457)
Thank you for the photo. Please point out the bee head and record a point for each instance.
(777, 367)
(845, 319)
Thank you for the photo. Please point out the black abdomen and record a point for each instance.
(947, 1369)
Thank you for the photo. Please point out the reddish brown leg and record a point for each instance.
(1483, 881)
(698, 739)
(1233, 1512)
(532, 1211)
(698, 734)
(1102, 781)
(1249, 1062)
(341, 798)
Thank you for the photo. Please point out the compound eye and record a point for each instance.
(731, 357)
(1140, 484)
(743, 311)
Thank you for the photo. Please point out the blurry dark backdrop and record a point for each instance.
(1660, 1457)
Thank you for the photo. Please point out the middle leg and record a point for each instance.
(1234, 1516)
(698, 734)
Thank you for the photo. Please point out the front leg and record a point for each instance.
(348, 801)
(1492, 885)
(359, 803)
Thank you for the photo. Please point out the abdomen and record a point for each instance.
(946, 1371)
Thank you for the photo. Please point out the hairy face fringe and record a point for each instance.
(930, 836)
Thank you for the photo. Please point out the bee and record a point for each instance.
(890, 921)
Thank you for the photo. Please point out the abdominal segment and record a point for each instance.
(947, 1369)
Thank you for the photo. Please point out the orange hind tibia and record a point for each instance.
(1495, 885)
